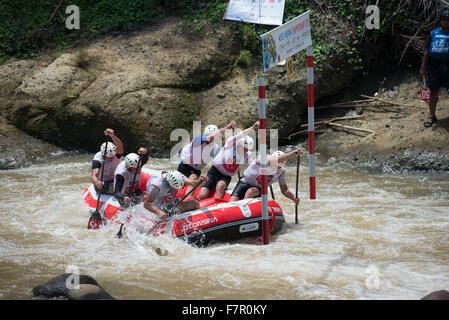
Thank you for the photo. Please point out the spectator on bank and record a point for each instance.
(435, 62)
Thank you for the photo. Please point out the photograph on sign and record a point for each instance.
(286, 40)
(271, 11)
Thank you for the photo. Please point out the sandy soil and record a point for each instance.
(399, 140)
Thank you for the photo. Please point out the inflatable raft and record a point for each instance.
(217, 219)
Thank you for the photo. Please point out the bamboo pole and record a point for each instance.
(349, 127)
(389, 102)
(346, 104)
(56, 10)
(324, 121)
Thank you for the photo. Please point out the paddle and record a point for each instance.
(179, 202)
(272, 193)
(119, 233)
(297, 175)
(95, 219)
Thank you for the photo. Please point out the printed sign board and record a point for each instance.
(286, 40)
(271, 12)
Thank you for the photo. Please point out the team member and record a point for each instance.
(161, 193)
(124, 190)
(110, 158)
(251, 182)
(143, 153)
(200, 151)
(436, 62)
(226, 163)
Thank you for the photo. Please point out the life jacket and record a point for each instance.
(128, 178)
(198, 153)
(109, 167)
(253, 177)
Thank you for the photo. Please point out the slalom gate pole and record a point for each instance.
(311, 121)
(263, 160)
(263, 145)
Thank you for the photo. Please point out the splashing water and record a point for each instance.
(368, 235)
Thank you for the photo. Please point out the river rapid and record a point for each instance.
(368, 235)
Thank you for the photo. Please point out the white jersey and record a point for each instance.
(128, 178)
(228, 160)
(109, 167)
(158, 187)
(198, 153)
(253, 177)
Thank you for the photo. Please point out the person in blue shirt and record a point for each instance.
(435, 62)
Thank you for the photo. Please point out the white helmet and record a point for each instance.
(132, 160)
(247, 142)
(277, 154)
(210, 129)
(110, 152)
(175, 179)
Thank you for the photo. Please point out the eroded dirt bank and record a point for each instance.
(395, 137)
(144, 86)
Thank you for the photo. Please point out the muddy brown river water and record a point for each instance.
(368, 235)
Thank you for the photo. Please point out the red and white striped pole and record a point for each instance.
(311, 121)
(263, 160)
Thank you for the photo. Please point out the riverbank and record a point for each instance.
(18, 149)
(144, 85)
(388, 132)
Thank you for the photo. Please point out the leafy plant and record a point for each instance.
(84, 59)
(245, 59)
(338, 25)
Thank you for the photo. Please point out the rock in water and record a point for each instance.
(437, 295)
(89, 292)
(56, 287)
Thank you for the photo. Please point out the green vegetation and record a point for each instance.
(187, 110)
(84, 59)
(244, 60)
(25, 27)
(338, 25)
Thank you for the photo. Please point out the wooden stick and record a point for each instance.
(56, 10)
(348, 127)
(321, 121)
(389, 102)
(346, 104)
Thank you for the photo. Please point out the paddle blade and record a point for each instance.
(119, 233)
(95, 221)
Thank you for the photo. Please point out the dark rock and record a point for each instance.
(437, 295)
(56, 287)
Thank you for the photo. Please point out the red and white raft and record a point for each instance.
(221, 222)
(216, 220)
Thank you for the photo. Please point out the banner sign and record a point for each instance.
(286, 40)
(271, 11)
